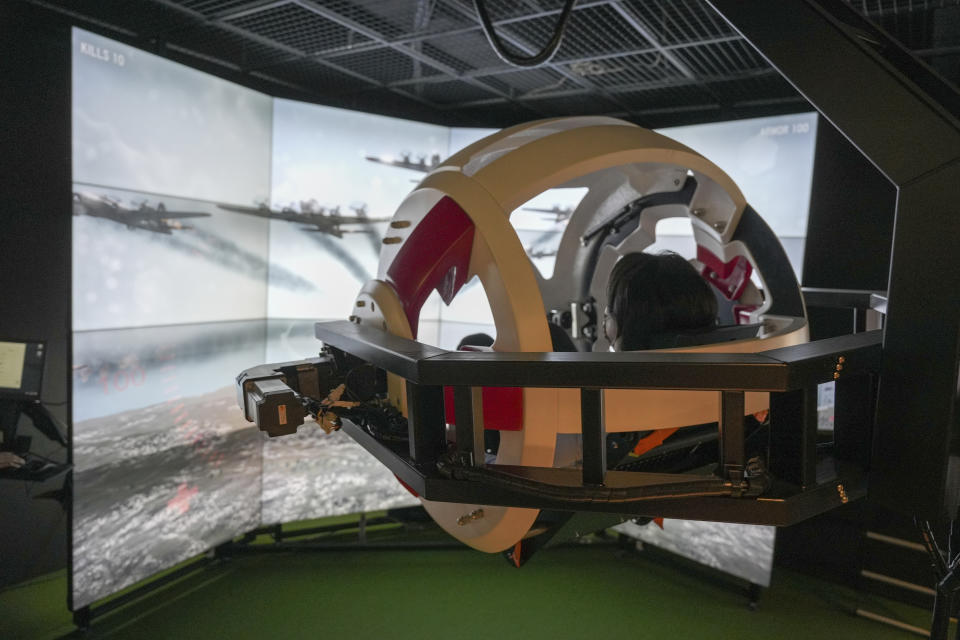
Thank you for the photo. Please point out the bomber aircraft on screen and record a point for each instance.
(559, 213)
(541, 253)
(309, 212)
(406, 161)
(156, 219)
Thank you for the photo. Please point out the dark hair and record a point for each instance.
(649, 294)
(475, 340)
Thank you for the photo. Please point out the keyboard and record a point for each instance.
(35, 468)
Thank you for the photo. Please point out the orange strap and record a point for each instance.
(652, 441)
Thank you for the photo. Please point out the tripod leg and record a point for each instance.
(940, 626)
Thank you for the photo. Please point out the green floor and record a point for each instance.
(569, 592)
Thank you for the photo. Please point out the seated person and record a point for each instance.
(650, 299)
(651, 295)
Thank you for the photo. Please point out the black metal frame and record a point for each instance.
(443, 72)
(663, 64)
(790, 374)
(911, 132)
(84, 616)
(282, 541)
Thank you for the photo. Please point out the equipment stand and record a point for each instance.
(946, 567)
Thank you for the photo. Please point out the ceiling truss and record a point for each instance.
(657, 62)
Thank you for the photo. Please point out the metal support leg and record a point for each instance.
(82, 618)
(468, 403)
(731, 435)
(793, 436)
(594, 436)
(754, 591)
(425, 423)
(222, 551)
(859, 320)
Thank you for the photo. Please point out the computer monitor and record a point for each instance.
(21, 369)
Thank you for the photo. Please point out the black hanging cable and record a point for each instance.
(507, 56)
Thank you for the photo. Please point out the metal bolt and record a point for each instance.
(839, 367)
(720, 225)
(836, 374)
(476, 514)
(841, 360)
(698, 213)
(676, 183)
(361, 303)
(843, 494)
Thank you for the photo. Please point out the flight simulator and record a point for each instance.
(666, 289)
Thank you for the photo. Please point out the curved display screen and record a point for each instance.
(212, 226)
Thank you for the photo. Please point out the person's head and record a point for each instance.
(651, 294)
(475, 340)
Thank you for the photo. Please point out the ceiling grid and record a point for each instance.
(658, 62)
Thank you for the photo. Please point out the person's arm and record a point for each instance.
(10, 460)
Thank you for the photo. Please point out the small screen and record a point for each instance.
(21, 368)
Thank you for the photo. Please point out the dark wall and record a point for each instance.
(849, 238)
(35, 281)
(850, 228)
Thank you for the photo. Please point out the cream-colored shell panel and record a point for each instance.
(488, 180)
